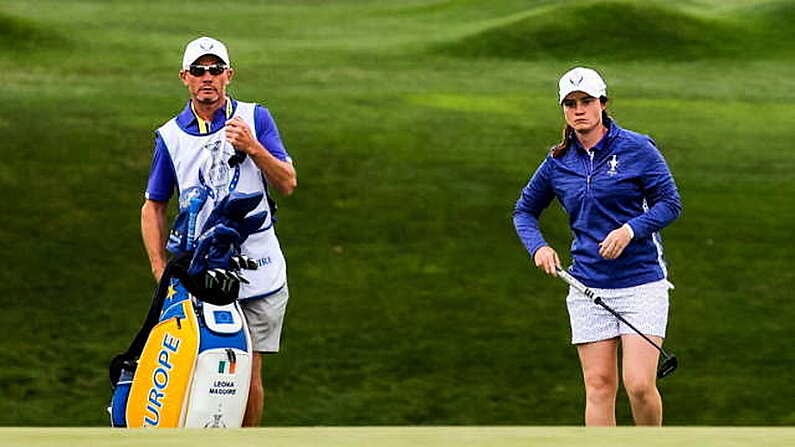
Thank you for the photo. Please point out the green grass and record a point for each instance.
(612, 30)
(412, 299)
(407, 436)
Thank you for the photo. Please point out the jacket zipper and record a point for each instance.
(590, 172)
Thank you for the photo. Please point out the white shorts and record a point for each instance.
(644, 306)
(265, 317)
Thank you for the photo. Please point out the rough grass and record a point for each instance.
(617, 31)
(19, 34)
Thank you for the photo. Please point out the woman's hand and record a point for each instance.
(615, 242)
(547, 260)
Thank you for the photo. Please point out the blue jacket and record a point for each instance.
(624, 179)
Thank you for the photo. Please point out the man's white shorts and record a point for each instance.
(265, 317)
(645, 306)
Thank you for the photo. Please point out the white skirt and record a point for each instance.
(644, 306)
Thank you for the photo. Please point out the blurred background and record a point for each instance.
(413, 126)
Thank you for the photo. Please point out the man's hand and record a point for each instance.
(547, 260)
(280, 174)
(615, 243)
(239, 135)
(157, 272)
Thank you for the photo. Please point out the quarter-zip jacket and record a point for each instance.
(622, 180)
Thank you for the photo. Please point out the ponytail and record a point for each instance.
(568, 136)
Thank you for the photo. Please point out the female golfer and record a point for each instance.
(618, 192)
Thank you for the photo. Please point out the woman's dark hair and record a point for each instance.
(568, 133)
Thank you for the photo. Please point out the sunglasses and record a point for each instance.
(200, 70)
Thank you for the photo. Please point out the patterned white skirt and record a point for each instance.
(644, 306)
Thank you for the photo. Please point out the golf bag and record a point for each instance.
(190, 363)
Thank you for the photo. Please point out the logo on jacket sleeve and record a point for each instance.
(613, 166)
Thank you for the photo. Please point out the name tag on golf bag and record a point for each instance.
(194, 370)
(222, 374)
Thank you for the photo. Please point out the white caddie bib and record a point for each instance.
(201, 163)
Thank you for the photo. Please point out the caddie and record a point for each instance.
(214, 146)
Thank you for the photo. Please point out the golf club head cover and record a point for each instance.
(215, 249)
(224, 232)
(181, 238)
(213, 274)
(232, 211)
(208, 275)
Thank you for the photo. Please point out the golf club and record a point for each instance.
(669, 362)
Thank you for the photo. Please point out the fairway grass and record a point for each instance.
(413, 125)
(405, 436)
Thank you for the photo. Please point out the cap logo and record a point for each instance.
(206, 46)
(577, 82)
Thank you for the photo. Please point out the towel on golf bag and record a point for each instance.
(190, 363)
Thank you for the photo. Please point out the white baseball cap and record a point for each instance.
(581, 79)
(203, 46)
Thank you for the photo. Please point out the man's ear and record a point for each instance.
(230, 73)
(183, 74)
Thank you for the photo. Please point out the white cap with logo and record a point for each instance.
(203, 46)
(584, 80)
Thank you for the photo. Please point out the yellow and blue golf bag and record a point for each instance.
(190, 363)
